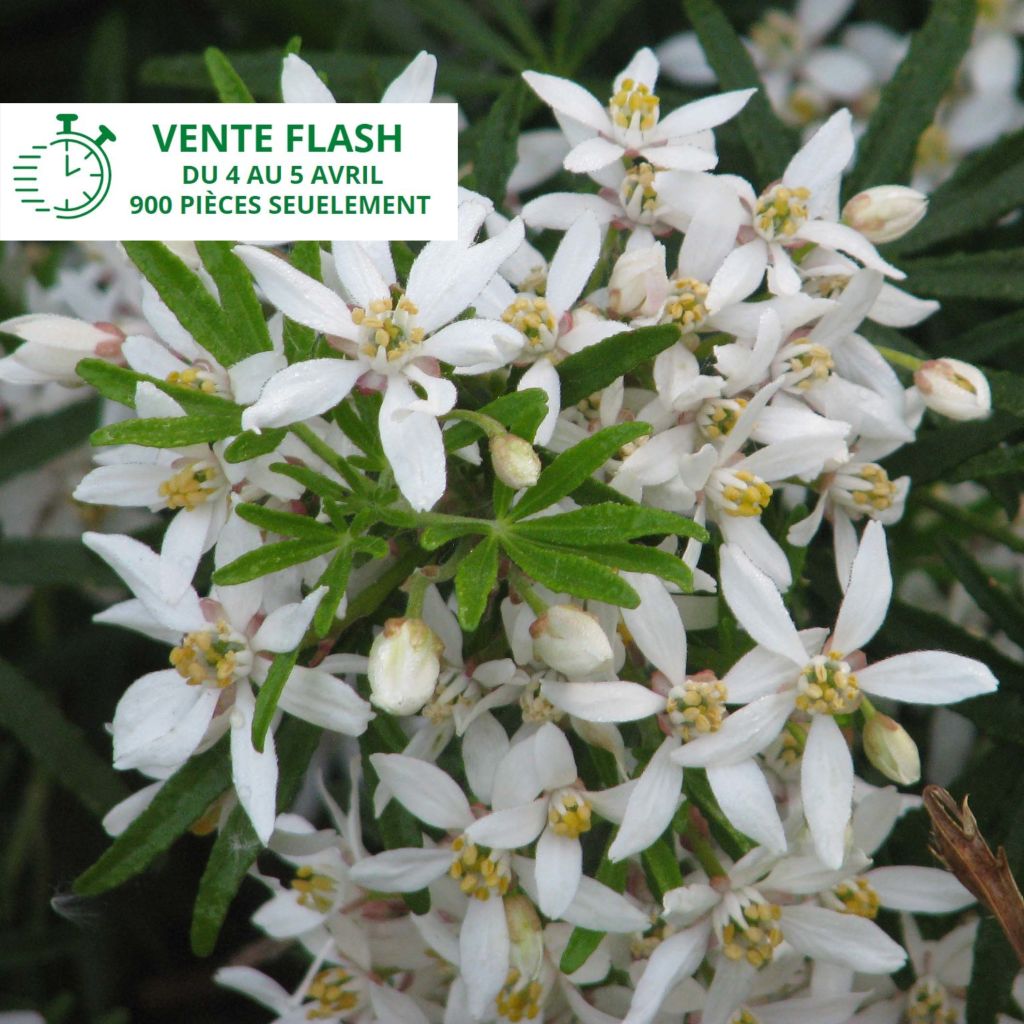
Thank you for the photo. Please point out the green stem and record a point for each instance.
(972, 520)
(903, 359)
(488, 424)
(703, 851)
(334, 459)
(529, 595)
(418, 584)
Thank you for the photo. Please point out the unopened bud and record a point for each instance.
(525, 934)
(404, 666)
(571, 641)
(886, 212)
(52, 346)
(954, 389)
(514, 460)
(891, 750)
(638, 285)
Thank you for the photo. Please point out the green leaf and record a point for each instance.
(36, 441)
(576, 465)
(512, 14)
(661, 868)
(287, 523)
(167, 432)
(997, 462)
(1007, 391)
(313, 481)
(237, 845)
(936, 452)
(521, 411)
(637, 558)
(187, 298)
(697, 790)
(58, 746)
(565, 571)
(181, 801)
(106, 62)
(1005, 611)
(496, 143)
(475, 578)
(588, 30)
(237, 296)
(226, 80)
(299, 340)
(985, 186)
(52, 561)
(594, 368)
(367, 601)
(769, 141)
(364, 435)
(456, 19)
(335, 578)
(434, 537)
(886, 152)
(997, 275)
(249, 445)
(272, 558)
(270, 693)
(118, 383)
(990, 338)
(608, 523)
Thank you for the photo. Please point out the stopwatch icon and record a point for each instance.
(68, 176)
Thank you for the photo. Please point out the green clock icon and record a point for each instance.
(69, 176)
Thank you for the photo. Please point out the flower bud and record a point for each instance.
(404, 666)
(52, 347)
(891, 750)
(514, 460)
(639, 284)
(954, 389)
(571, 641)
(886, 212)
(526, 936)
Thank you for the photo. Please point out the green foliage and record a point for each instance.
(226, 80)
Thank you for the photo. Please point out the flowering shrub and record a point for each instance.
(551, 569)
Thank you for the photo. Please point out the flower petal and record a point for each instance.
(559, 869)
(404, 870)
(484, 949)
(826, 786)
(511, 828)
(674, 959)
(424, 790)
(604, 702)
(570, 99)
(919, 890)
(253, 772)
(572, 264)
(746, 800)
(301, 391)
(592, 155)
(413, 445)
(553, 756)
(868, 593)
(927, 677)
(416, 83)
(301, 84)
(844, 939)
(651, 805)
(744, 733)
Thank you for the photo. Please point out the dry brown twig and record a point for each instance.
(958, 843)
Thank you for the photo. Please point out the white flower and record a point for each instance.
(391, 342)
(789, 671)
(954, 388)
(514, 460)
(631, 124)
(892, 750)
(166, 716)
(571, 641)
(885, 212)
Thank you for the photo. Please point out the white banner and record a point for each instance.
(240, 171)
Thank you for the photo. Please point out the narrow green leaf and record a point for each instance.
(661, 868)
(457, 20)
(183, 799)
(237, 845)
(496, 143)
(513, 15)
(638, 558)
(363, 435)
(335, 578)
(769, 141)
(521, 411)
(187, 298)
(608, 523)
(1000, 461)
(249, 445)
(36, 441)
(1005, 611)
(270, 694)
(271, 558)
(885, 154)
(313, 481)
(167, 432)
(989, 338)
(237, 296)
(589, 29)
(367, 601)
(576, 465)
(434, 537)
(106, 62)
(52, 561)
(697, 790)
(997, 275)
(287, 523)
(475, 578)
(594, 368)
(565, 571)
(226, 80)
(985, 186)
(1007, 391)
(58, 746)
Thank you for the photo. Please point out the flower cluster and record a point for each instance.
(610, 752)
